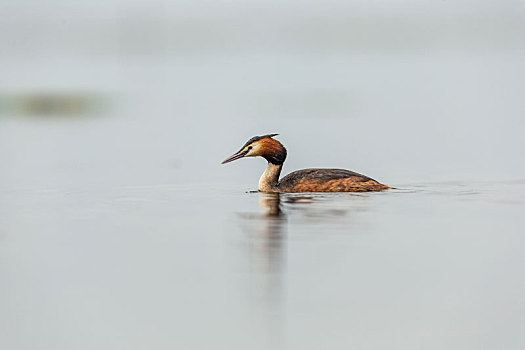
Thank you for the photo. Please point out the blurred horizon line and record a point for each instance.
(160, 35)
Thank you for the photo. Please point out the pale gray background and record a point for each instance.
(120, 230)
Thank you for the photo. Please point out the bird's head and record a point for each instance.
(265, 146)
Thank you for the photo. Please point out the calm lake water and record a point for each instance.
(437, 265)
(119, 228)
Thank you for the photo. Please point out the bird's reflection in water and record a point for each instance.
(266, 234)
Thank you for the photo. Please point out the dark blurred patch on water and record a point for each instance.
(51, 104)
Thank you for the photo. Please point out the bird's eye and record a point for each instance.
(249, 148)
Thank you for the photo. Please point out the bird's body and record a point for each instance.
(328, 180)
(306, 180)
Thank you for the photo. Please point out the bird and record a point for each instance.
(305, 180)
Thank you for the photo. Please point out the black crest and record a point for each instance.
(257, 138)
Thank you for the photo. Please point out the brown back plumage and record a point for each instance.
(328, 180)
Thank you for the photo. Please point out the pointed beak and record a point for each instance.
(236, 156)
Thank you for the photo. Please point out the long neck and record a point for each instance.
(270, 178)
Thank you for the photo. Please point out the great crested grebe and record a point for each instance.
(306, 180)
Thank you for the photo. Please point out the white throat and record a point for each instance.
(270, 178)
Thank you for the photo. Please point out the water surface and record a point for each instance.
(434, 266)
